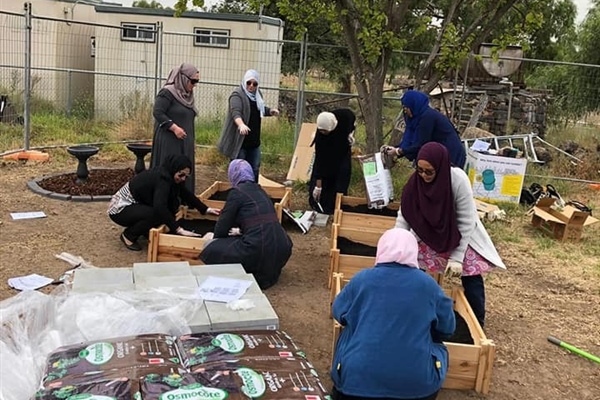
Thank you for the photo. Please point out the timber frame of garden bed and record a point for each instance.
(164, 246)
(282, 194)
(380, 221)
(471, 365)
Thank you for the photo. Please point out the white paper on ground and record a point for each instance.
(29, 282)
(28, 215)
(222, 290)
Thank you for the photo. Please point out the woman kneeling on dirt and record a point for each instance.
(438, 206)
(395, 318)
(248, 231)
(152, 198)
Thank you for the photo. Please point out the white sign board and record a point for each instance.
(495, 178)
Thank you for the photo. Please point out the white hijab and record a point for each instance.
(260, 104)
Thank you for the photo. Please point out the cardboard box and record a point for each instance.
(304, 155)
(564, 224)
(495, 178)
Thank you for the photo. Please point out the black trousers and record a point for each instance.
(137, 219)
(475, 294)
(336, 395)
(331, 186)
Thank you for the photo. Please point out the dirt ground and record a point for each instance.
(533, 299)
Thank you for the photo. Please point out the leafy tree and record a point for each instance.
(373, 29)
(147, 4)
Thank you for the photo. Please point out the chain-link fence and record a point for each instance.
(106, 71)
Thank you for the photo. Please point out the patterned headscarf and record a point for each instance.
(176, 81)
(239, 171)
(260, 104)
(399, 246)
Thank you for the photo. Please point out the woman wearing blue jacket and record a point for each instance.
(425, 124)
(394, 317)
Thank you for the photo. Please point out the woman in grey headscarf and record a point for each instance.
(240, 137)
(174, 113)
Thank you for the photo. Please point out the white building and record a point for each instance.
(84, 51)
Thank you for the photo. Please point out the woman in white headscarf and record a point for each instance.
(394, 317)
(174, 113)
(240, 136)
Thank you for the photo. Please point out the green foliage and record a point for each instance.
(147, 4)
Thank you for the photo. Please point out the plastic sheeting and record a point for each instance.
(34, 324)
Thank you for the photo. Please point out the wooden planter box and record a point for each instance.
(348, 264)
(352, 218)
(281, 195)
(471, 365)
(164, 246)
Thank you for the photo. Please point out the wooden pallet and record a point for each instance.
(471, 365)
(164, 246)
(282, 194)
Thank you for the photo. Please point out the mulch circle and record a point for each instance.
(101, 184)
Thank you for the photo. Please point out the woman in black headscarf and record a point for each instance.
(152, 198)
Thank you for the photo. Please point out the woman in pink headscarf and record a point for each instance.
(394, 317)
(248, 231)
(174, 113)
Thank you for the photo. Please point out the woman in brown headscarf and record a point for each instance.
(174, 113)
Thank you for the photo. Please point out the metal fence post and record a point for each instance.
(158, 56)
(27, 78)
(69, 92)
(300, 95)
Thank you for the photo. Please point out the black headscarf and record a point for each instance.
(175, 163)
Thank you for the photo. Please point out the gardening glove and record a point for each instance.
(213, 211)
(235, 232)
(316, 194)
(185, 232)
(389, 150)
(454, 268)
(351, 139)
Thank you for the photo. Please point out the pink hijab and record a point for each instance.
(399, 246)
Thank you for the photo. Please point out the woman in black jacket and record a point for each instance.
(248, 231)
(152, 198)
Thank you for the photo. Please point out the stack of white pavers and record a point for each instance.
(210, 316)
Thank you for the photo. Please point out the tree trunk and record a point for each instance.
(371, 104)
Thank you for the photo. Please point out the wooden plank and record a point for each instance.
(334, 263)
(365, 221)
(365, 236)
(486, 366)
(173, 258)
(185, 242)
(463, 307)
(209, 191)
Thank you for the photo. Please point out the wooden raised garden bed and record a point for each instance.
(164, 246)
(354, 249)
(471, 359)
(353, 211)
(216, 194)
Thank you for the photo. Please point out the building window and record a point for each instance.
(211, 37)
(138, 32)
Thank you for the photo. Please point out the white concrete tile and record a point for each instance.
(261, 316)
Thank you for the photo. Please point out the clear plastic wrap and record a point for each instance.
(35, 324)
